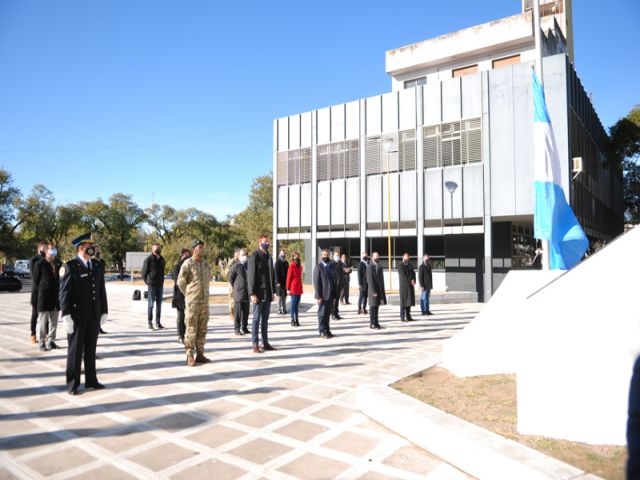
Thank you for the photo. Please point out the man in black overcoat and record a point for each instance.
(42, 246)
(83, 306)
(407, 277)
(375, 287)
(362, 283)
(325, 285)
(425, 279)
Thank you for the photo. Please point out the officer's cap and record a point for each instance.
(196, 243)
(84, 238)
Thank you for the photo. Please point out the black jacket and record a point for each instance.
(32, 265)
(177, 301)
(238, 281)
(425, 277)
(260, 276)
(406, 274)
(281, 269)
(153, 271)
(324, 281)
(83, 294)
(375, 284)
(362, 275)
(46, 284)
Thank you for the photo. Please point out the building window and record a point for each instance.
(401, 158)
(506, 61)
(453, 143)
(461, 72)
(338, 160)
(294, 167)
(415, 82)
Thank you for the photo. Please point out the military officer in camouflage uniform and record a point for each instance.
(193, 282)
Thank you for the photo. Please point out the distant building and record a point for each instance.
(460, 116)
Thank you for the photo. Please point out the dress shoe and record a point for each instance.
(429, 313)
(191, 360)
(200, 358)
(359, 311)
(150, 327)
(238, 332)
(372, 326)
(43, 347)
(95, 386)
(52, 345)
(256, 348)
(365, 311)
(268, 348)
(34, 339)
(323, 335)
(404, 320)
(330, 335)
(159, 326)
(246, 331)
(73, 391)
(297, 323)
(102, 331)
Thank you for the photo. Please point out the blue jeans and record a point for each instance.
(261, 312)
(424, 300)
(154, 296)
(295, 303)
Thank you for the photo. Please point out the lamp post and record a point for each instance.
(387, 143)
(451, 188)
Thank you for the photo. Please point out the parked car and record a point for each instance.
(115, 277)
(9, 283)
(21, 268)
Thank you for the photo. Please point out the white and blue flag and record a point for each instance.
(553, 218)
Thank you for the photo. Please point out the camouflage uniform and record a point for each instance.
(193, 282)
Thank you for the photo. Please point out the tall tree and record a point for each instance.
(117, 225)
(625, 151)
(257, 218)
(9, 199)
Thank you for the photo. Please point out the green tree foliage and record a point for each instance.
(116, 226)
(9, 198)
(625, 152)
(257, 218)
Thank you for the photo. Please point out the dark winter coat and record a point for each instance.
(260, 276)
(178, 297)
(324, 282)
(362, 276)
(281, 269)
(407, 275)
(32, 265)
(46, 282)
(153, 271)
(238, 281)
(375, 285)
(82, 293)
(425, 277)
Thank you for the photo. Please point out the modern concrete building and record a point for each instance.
(457, 180)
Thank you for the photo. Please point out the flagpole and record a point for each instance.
(537, 35)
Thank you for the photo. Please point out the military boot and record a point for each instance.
(200, 358)
(191, 360)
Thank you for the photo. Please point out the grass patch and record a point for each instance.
(490, 402)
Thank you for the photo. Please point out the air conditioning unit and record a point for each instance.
(577, 165)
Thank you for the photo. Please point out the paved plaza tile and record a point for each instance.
(288, 414)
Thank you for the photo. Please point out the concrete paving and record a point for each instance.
(278, 415)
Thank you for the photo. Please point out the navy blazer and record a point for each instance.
(82, 293)
(324, 283)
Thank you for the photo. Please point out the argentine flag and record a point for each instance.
(553, 218)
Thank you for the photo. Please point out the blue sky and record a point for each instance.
(173, 101)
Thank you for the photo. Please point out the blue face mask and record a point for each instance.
(53, 252)
(264, 246)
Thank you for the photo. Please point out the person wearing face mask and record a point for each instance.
(362, 283)
(407, 278)
(238, 281)
(324, 285)
(83, 306)
(294, 286)
(46, 280)
(425, 278)
(262, 288)
(338, 272)
(177, 301)
(153, 275)
(193, 282)
(375, 287)
(343, 293)
(281, 269)
(42, 246)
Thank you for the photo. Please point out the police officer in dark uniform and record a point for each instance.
(83, 307)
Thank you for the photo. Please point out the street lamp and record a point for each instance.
(451, 188)
(387, 144)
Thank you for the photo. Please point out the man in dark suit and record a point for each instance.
(362, 283)
(325, 285)
(46, 282)
(83, 306)
(375, 286)
(425, 279)
(42, 246)
(261, 287)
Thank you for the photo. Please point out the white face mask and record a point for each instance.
(243, 258)
(336, 258)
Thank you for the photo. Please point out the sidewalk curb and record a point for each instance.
(472, 449)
